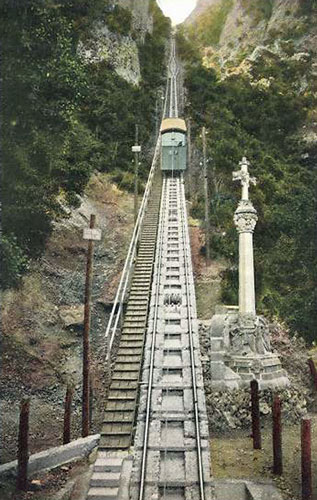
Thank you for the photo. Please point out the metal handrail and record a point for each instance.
(125, 276)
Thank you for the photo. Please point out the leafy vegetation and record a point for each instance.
(306, 7)
(62, 117)
(258, 9)
(119, 20)
(208, 27)
(259, 115)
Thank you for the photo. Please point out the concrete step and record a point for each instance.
(115, 442)
(121, 394)
(126, 374)
(104, 463)
(128, 344)
(105, 479)
(103, 493)
(119, 417)
(116, 428)
(124, 384)
(128, 359)
(129, 351)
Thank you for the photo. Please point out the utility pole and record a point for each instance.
(91, 235)
(136, 149)
(207, 226)
(189, 161)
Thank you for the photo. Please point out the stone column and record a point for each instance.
(245, 219)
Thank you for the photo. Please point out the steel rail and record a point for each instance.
(125, 276)
(176, 100)
(191, 341)
(171, 97)
(151, 372)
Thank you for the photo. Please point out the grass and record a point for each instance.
(233, 457)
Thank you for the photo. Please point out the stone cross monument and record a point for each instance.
(240, 348)
(245, 219)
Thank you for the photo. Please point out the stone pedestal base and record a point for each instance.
(266, 369)
(231, 369)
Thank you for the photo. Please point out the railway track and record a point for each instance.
(172, 457)
(156, 397)
(172, 83)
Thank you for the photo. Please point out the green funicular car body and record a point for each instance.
(174, 145)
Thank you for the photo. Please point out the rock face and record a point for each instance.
(120, 51)
(72, 315)
(201, 6)
(254, 31)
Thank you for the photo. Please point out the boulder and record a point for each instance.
(72, 315)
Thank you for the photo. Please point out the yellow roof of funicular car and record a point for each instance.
(173, 124)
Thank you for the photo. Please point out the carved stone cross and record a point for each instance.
(245, 178)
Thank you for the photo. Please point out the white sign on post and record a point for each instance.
(92, 234)
(136, 149)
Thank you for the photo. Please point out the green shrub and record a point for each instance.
(259, 9)
(64, 118)
(306, 7)
(261, 123)
(14, 262)
(209, 25)
(119, 20)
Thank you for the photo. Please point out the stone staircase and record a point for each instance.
(105, 482)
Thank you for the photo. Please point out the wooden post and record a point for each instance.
(67, 414)
(136, 175)
(255, 411)
(189, 159)
(307, 488)
(207, 228)
(23, 445)
(277, 437)
(313, 371)
(86, 343)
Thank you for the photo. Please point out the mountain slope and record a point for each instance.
(251, 80)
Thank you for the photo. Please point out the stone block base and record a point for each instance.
(234, 362)
(266, 369)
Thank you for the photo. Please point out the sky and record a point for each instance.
(177, 10)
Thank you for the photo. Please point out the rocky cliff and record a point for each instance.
(120, 49)
(236, 35)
